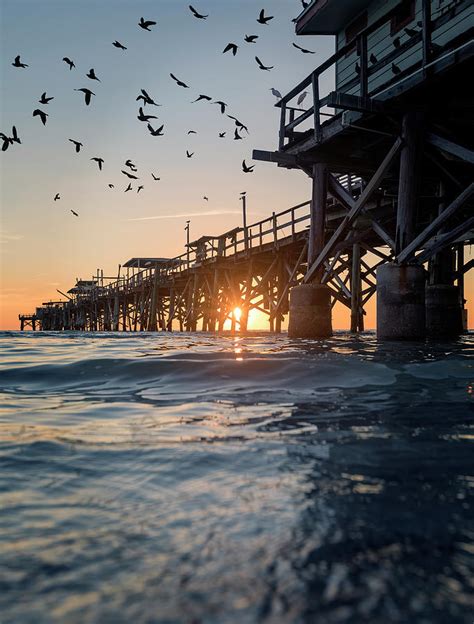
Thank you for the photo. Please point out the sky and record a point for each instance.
(44, 247)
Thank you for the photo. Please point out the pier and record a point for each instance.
(390, 159)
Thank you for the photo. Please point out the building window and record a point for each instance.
(403, 16)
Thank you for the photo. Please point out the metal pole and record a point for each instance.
(187, 243)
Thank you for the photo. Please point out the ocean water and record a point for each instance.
(199, 479)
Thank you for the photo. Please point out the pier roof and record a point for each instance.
(327, 17)
(144, 263)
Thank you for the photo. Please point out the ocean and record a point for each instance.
(202, 479)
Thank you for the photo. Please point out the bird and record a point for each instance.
(357, 69)
(129, 163)
(222, 104)
(239, 124)
(192, 132)
(69, 62)
(395, 69)
(129, 188)
(111, 186)
(196, 14)
(99, 161)
(262, 66)
(250, 38)
(373, 59)
(117, 44)
(146, 98)
(45, 100)
(142, 117)
(56, 197)
(6, 141)
(41, 114)
(222, 135)
(304, 50)
(74, 213)
(410, 32)
(396, 42)
(130, 175)
(179, 82)
(299, 101)
(92, 75)
(15, 138)
(202, 97)
(206, 198)
(247, 169)
(276, 93)
(305, 4)
(140, 188)
(155, 177)
(237, 136)
(157, 132)
(145, 24)
(77, 144)
(262, 19)
(18, 63)
(188, 154)
(231, 46)
(243, 192)
(87, 94)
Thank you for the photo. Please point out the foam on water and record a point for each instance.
(194, 478)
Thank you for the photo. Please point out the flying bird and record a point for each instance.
(231, 46)
(304, 50)
(18, 63)
(158, 132)
(299, 101)
(45, 100)
(129, 163)
(15, 137)
(87, 94)
(129, 188)
(77, 144)
(237, 136)
(196, 14)
(239, 124)
(246, 169)
(146, 24)
(154, 177)
(222, 135)
(111, 186)
(42, 115)
(202, 97)
(262, 19)
(56, 197)
(92, 75)
(117, 44)
(206, 198)
(262, 66)
(99, 161)
(223, 105)
(7, 141)
(130, 175)
(146, 98)
(179, 83)
(192, 132)
(142, 117)
(250, 38)
(69, 62)
(74, 213)
(276, 93)
(140, 188)
(188, 154)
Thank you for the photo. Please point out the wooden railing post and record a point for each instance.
(275, 234)
(316, 104)
(364, 77)
(282, 125)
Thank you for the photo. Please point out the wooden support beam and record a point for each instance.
(438, 243)
(460, 151)
(317, 228)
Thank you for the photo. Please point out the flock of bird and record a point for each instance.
(145, 99)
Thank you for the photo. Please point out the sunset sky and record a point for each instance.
(43, 245)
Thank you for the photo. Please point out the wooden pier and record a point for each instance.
(390, 156)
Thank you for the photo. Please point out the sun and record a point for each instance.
(237, 314)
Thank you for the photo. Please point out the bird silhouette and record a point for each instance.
(305, 4)
(129, 187)
(396, 42)
(15, 137)
(239, 124)
(246, 169)
(146, 98)
(276, 93)
(262, 19)
(179, 82)
(7, 141)
(154, 177)
(196, 14)
(237, 136)
(202, 97)
(222, 135)
(189, 154)
(111, 186)
(117, 44)
(18, 63)
(142, 117)
(41, 114)
(56, 197)
(262, 66)
(130, 175)
(222, 104)
(145, 24)
(250, 38)
(410, 32)
(304, 50)
(92, 75)
(395, 69)
(206, 198)
(74, 213)
(373, 59)
(231, 46)
(99, 161)
(357, 69)
(192, 132)
(301, 98)
(69, 62)
(158, 132)
(77, 145)
(45, 100)
(87, 94)
(140, 188)
(129, 163)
